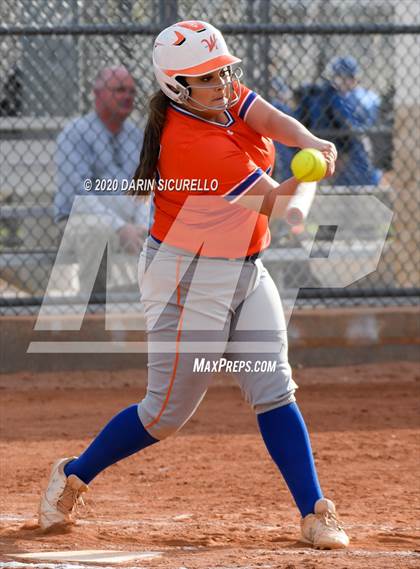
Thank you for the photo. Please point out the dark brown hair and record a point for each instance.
(146, 170)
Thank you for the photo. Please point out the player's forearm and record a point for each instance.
(289, 131)
(277, 199)
(273, 123)
(270, 198)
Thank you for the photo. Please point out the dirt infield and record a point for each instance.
(211, 497)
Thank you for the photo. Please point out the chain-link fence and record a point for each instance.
(347, 70)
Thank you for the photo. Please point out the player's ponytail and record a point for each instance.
(146, 170)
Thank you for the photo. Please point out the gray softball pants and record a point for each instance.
(205, 315)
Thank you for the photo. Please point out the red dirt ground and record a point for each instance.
(210, 496)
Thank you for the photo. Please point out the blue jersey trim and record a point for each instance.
(155, 238)
(236, 192)
(249, 99)
(227, 114)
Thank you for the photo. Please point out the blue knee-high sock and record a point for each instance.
(122, 436)
(287, 440)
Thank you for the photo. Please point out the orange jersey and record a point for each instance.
(204, 168)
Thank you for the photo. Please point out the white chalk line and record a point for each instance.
(19, 565)
(23, 565)
(355, 553)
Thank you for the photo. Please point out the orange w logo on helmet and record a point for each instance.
(179, 39)
(211, 43)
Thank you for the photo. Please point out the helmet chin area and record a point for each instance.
(232, 85)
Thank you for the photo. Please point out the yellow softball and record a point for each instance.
(309, 165)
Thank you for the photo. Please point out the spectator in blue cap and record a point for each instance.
(344, 66)
(340, 104)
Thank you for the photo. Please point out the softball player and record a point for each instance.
(204, 288)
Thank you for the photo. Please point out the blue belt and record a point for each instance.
(252, 257)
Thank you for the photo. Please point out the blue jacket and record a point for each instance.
(323, 107)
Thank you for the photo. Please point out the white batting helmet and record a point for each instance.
(188, 49)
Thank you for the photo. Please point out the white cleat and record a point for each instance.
(322, 529)
(61, 497)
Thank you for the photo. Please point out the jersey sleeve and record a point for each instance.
(218, 161)
(245, 102)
